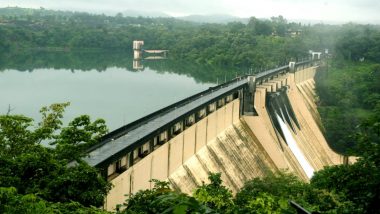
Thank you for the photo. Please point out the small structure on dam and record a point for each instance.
(138, 54)
(137, 49)
(316, 55)
(243, 128)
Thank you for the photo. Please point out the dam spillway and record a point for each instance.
(237, 128)
(253, 146)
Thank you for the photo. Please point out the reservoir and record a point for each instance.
(100, 85)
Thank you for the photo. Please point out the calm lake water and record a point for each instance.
(114, 92)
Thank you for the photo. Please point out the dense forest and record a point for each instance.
(259, 44)
(349, 89)
(37, 179)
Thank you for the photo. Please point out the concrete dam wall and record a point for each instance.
(168, 158)
(284, 134)
(253, 146)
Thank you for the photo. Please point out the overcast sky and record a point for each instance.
(363, 11)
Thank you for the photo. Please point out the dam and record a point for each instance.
(244, 128)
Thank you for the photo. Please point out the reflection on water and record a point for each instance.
(137, 65)
(117, 95)
(101, 61)
(102, 85)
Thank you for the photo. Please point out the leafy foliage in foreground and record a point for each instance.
(12, 202)
(261, 195)
(214, 195)
(275, 190)
(161, 199)
(38, 176)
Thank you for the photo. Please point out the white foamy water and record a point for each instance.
(307, 168)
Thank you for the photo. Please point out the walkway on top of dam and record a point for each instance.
(106, 150)
(127, 137)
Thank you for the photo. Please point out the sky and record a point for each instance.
(361, 11)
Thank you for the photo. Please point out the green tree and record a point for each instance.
(161, 199)
(215, 195)
(31, 168)
(78, 136)
(11, 202)
(271, 194)
(359, 182)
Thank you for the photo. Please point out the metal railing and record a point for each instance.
(135, 124)
(299, 208)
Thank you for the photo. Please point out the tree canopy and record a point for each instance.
(34, 173)
(260, 43)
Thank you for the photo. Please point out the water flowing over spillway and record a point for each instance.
(295, 149)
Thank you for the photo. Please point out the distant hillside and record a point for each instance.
(18, 11)
(217, 18)
(135, 13)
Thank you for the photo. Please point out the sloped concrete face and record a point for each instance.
(252, 146)
(310, 137)
(169, 158)
(236, 153)
(240, 147)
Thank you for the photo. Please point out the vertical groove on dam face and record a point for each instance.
(235, 153)
(307, 90)
(222, 165)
